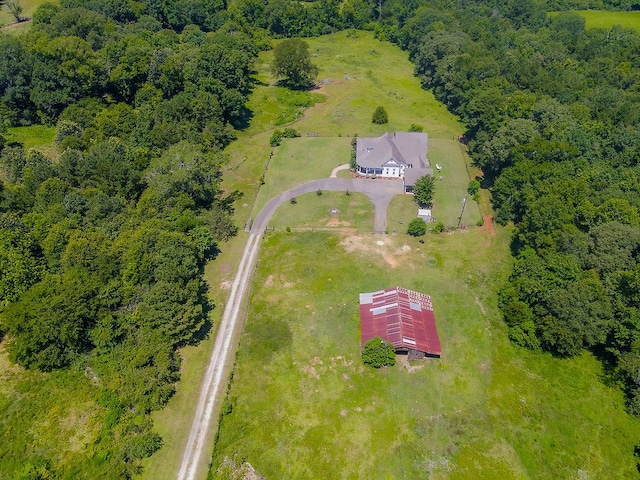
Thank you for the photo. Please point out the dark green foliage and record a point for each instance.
(49, 325)
(292, 62)
(378, 353)
(473, 188)
(278, 135)
(380, 116)
(417, 227)
(416, 128)
(423, 190)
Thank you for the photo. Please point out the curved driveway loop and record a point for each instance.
(379, 191)
(194, 464)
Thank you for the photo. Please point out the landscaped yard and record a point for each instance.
(329, 211)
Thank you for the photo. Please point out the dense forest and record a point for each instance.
(102, 248)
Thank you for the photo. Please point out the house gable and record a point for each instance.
(393, 155)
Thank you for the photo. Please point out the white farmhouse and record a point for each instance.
(401, 155)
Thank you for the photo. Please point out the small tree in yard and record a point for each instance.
(417, 227)
(15, 8)
(378, 353)
(423, 190)
(380, 116)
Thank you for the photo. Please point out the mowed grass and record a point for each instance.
(329, 211)
(302, 405)
(299, 160)
(606, 19)
(353, 86)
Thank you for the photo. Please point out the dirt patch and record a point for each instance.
(335, 222)
(279, 281)
(479, 303)
(487, 225)
(384, 249)
(226, 285)
(403, 361)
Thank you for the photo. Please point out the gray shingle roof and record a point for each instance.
(403, 148)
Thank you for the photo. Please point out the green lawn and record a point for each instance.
(331, 211)
(303, 406)
(606, 20)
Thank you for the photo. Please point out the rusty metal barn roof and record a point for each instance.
(401, 317)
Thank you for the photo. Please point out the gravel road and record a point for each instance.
(213, 387)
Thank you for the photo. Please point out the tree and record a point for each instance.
(378, 353)
(293, 63)
(423, 190)
(380, 116)
(15, 8)
(417, 227)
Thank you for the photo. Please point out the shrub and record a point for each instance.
(416, 128)
(473, 188)
(438, 227)
(378, 353)
(278, 135)
(417, 227)
(380, 116)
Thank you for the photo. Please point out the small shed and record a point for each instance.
(424, 214)
(401, 317)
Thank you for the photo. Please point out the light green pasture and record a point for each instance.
(302, 405)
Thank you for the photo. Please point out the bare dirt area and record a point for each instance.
(381, 247)
(336, 222)
(403, 361)
(487, 225)
(279, 281)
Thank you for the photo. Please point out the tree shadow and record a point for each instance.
(243, 121)
(295, 87)
(207, 308)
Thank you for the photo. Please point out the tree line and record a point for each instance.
(103, 241)
(102, 248)
(552, 113)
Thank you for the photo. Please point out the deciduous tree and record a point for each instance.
(292, 62)
(423, 190)
(378, 353)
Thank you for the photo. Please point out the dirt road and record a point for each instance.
(194, 464)
(215, 380)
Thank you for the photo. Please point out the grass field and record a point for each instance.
(303, 406)
(38, 421)
(330, 211)
(35, 136)
(605, 19)
(7, 21)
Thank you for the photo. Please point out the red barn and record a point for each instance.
(401, 317)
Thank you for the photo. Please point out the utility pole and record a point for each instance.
(464, 202)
